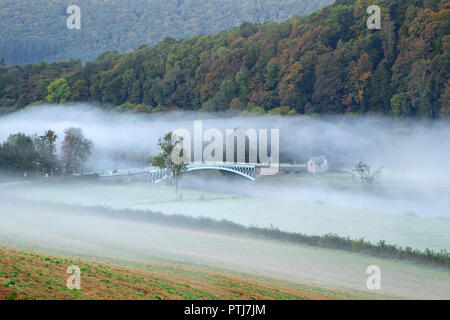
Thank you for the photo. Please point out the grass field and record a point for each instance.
(31, 275)
(73, 231)
(127, 259)
(312, 216)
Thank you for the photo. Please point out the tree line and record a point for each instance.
(37, 155)
(325, 63)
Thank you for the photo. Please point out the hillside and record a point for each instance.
(35, 30)
(28, 275)
(325, 63)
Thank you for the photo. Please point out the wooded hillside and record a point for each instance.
(325, 63)
(32, 31)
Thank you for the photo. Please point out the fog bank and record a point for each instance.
(408, 149)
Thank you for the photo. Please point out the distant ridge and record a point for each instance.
(35, 30)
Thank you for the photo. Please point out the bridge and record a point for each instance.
(156, 175)
(152, 174)
(247, 171)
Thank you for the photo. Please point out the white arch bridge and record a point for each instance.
(152, 174)
(155, 174)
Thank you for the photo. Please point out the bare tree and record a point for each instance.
(76, 150)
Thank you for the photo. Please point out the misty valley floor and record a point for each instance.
(73, 233)
(294, 210)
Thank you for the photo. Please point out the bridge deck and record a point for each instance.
(155, 174)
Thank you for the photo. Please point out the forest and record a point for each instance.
(35, 30)
(326, 63)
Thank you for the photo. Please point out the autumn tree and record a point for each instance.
(75, 150)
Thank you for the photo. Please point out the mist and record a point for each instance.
(415, 178)
(408, 149)
(410, 206)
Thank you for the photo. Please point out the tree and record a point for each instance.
(46, 147)
(331, 80)
(76, 150)
(236, 105)
(380, 91)
(358, 82)
(281, 111)
(401, 105)
(80, 91)
(170, 145)
(420, 89)
(19, 153)
(222, 99)
(340, 21)
(58, 91)
(363, 174)
(242, 81)
(445, 101)
(41, 89)
(271, 75)
(30, 154)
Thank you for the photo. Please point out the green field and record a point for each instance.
(75, 231)
(307, 216)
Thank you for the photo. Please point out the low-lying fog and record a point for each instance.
(409, 207)
(414, 155)
(408, 149)
(415, 180)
